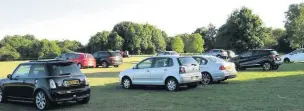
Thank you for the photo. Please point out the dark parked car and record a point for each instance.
(220, 53)
(230, 54)
(268, 59)
(107, 58)
(45, 83)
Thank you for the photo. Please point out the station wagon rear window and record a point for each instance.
(186, 61)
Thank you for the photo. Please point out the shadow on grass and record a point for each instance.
(272, 93)
(102, 75)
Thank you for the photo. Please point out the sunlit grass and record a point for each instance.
(252, 90)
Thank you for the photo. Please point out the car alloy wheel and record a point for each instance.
(104, 64)
(267, 66)
(206, 78)
(1, 95)
(41, 101)
(171, 85)
(126, 83)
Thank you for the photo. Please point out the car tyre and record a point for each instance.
(286, 60)
(172, 84)
(206, 78)
(41, 101)
(104, 64)
(116, 66)
(126, 83)
(84, 100)
(266, 66)
(2, 97)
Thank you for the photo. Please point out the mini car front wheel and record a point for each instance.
(206, 78)
(267, 66)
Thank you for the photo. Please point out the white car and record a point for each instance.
(294, 56)
(168, 53)
(171, 71)
(215, 69)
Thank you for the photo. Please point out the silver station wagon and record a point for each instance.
(170, 71)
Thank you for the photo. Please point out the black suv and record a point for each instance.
(45, 82)
(268, 59)
(107, 58)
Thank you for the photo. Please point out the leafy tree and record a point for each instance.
(268, 39)
(49, 49)
(115, 41)
(98, 42)
(69, 46)
(294, 25)
(177, 44)
(208, 35)
(241, 32)
(7, 52)
(196, 43)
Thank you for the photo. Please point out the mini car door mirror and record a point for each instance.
(9, 76)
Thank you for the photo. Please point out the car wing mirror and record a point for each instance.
(9, 76)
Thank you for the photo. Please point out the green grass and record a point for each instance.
(253, 90)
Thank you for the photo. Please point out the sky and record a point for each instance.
(81, 19)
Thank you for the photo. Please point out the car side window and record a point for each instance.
(167, 53)
(95, 55)
(22, 71)
(145, 64)
(38, 70)
(201, 61)
(247, 54)
(162, 62)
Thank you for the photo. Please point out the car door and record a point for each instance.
(203, 63)
(37, 73)
(141, 73)
(244, 59)
(160, 67)
(15, 86)
(301, 55)
(297, 56)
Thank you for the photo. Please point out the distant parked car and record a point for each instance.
(44, 83)
(230, 54)
(82, 60)
(294, 56)
(170, 71)
(167, 53)
(215, 69)
(220, 53)
(108, 58)
(268, 59)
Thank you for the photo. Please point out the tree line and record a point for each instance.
(243, 30)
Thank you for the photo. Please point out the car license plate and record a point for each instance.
(72, 82)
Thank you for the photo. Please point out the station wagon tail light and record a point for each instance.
(52, 84)
(222, 67)
(182, 70)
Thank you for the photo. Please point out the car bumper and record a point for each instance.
(224, 75)
(277, 62)
(190, 78)
(70, 95)
(114, 63)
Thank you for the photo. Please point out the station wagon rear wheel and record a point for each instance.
(126, 83)
(206, 78)
(267, 66)
(172, 84)
(104, 64)
(41, 101)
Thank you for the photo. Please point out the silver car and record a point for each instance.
(170, 71)
(215, 69)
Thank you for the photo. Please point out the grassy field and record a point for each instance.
(253, 89)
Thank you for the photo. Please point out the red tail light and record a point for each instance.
(182, 70)
(273, 56)
(222, 67)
